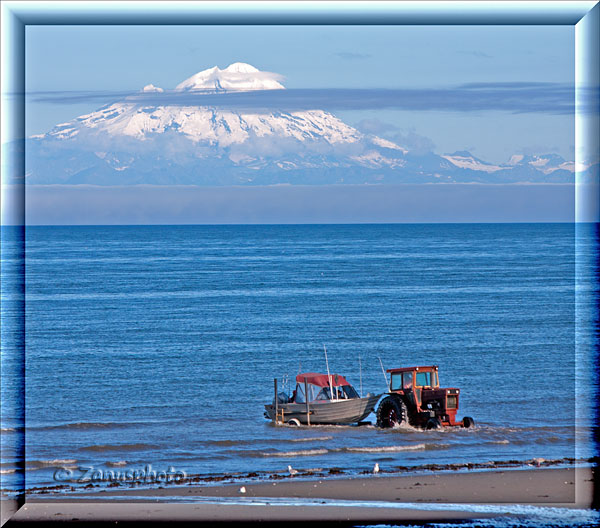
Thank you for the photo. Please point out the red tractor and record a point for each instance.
(415, 397)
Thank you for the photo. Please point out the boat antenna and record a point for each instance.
(384, 374)
(360, 374)
(328, 375)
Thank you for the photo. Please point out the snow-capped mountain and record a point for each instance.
(203, 124)
(237, 76)
(466, 160)
(143, 141)
(547, 163)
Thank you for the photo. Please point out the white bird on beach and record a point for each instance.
(376, 468)
(292, 470)
(243, 489)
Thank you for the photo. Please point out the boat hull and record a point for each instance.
(327, 412)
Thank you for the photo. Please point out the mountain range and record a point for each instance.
(141, 141)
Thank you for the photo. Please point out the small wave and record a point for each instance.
(304, 452)
(405, 426)
(236, 443)
(7, 471)
(500, 442)
(8, 464)
(312, 439)
(226, 443)
(62, 462)
(117, 464)
(8, 430)
(554, 440)
(83, 425)
(508, 430)
(386, 449)
(118, 447)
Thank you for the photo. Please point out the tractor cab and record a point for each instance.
(411, 377)
(415, 397)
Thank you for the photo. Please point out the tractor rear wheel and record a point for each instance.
(391, 412)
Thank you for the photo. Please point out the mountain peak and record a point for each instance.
(462, 153)
(241, 67)
(239, 77)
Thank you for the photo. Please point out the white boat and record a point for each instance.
(321, 399)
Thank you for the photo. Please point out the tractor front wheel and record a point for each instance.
(468, 422)
(391, 412)
(433, 423)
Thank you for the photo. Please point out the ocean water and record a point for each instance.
(158, 345)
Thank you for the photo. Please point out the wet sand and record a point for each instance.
(531, 486)
(372, 498)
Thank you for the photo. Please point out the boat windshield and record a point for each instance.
(350, 392)
(313, 391)
(316, 393)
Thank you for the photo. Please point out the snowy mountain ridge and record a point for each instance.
(132, 141)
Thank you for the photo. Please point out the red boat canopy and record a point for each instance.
(322, 380)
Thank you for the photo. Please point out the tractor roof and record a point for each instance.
(408, 369)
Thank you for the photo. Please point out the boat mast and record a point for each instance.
(360, 374)
(328, 375)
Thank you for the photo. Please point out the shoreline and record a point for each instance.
(444, 496)
(567, 487)
(565, 493)
(332, 473)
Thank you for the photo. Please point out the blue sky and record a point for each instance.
(107, 59)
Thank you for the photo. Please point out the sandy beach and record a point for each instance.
(367, 499)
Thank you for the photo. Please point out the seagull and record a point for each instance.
(243, 489)
(376, 468)
(292, 470)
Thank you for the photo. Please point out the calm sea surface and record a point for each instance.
(159, 345)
